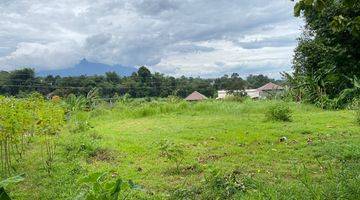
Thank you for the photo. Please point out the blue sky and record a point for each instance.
(205, 38)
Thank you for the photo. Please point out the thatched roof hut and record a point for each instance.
(195, 96)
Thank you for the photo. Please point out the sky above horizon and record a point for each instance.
(206, 38)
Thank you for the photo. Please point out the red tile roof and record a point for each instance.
(270, 86)
(195, 96)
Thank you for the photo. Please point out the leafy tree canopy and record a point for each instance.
(326, 60)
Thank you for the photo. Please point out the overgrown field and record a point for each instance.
(206, 150)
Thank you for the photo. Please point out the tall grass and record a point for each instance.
(140, 109)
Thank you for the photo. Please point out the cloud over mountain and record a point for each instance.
(172, 36)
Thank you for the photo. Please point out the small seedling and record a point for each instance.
(172, 152)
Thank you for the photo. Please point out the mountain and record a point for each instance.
(85, 67)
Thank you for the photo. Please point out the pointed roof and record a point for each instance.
(270, 86)
(195, 96)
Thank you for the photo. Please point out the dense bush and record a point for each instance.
(21, 119)
(279, 112)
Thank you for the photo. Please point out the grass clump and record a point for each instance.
(279, 112)
(217, 185)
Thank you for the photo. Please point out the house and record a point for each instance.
(259, 93)
(195, 96)
(222, 94)
(269, 89)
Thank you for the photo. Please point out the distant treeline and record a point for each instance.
(143, 83)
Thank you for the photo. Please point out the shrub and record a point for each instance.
(224, 185)
(20, 119)
(279, 112)
(238, 96)
(235, 98)
(173, 99)
(79, 122)
(217, 185)
(74, 103)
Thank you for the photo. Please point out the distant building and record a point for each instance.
(195, 96)
(222, 94)
(269, 89)
(259, 93)
(253, 93)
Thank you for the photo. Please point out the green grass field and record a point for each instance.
(230, 150)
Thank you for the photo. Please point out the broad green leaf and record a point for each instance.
(11, 180)
(117, 189)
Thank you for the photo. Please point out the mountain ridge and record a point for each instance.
(85, 67)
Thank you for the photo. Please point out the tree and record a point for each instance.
(20, 80)
(112, 77)
(144, 73)
(256, 81)
(4, 76)
(327, 57)
(140, 84)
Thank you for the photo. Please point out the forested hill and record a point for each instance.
(141, 83)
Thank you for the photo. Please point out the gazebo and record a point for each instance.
(195, 96)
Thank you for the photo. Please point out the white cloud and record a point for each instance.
(42, 56)
(227, 58)
(171, 36)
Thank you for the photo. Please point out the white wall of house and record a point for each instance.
(252, 93)
(221, 94)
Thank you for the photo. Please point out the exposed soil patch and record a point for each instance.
(100, 154)
(210, 158)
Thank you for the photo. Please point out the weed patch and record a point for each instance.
(216, 185)
(279, 112)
